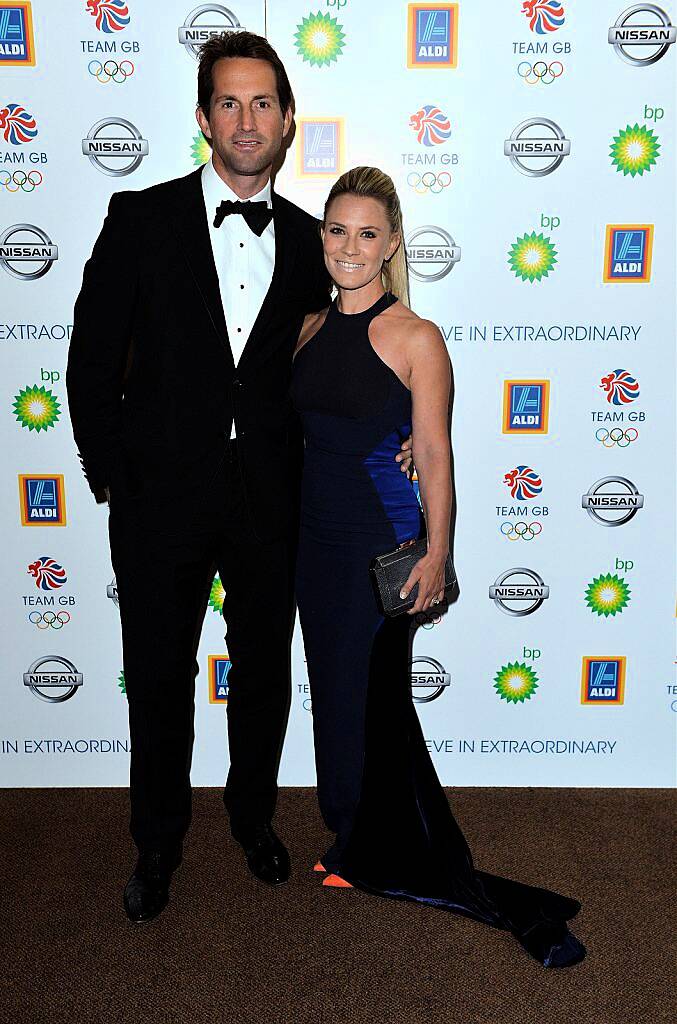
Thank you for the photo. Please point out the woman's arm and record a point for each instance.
(430, 383)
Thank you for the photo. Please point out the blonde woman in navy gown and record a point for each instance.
(368, 372)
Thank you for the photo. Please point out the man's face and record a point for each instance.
(245, 124)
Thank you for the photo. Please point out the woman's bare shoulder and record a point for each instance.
(311, 325)
(312, 320)
(412, 328)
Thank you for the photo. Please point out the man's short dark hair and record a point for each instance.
(239, 44)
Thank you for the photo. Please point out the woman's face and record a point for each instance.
(357, 239)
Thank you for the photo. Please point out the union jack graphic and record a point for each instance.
(620, 387)
(47, 573)
(16, 124)
(544, 15)
(431, 125)
(111, 15)
(523, 483)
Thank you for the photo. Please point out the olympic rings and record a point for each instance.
(43, 620)
(111, 71)
(616, 436)
(14, 182)
(540, 71)
(427, 620)
(525, 531)
(430, 181)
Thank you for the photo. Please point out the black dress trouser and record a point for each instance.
(165, 546)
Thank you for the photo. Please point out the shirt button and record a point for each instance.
(242, 245)
(241, 286)
(239, 330)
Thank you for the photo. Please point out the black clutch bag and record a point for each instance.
(390, 572)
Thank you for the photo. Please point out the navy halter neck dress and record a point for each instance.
(377, 788)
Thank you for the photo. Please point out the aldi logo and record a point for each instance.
(603, 680)
(526, 405)
(16, 35)
(432, 36)
(627, 252)
(320, 147)
(42, 499)
(219, 667)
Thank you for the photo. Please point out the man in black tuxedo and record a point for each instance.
(178, 371)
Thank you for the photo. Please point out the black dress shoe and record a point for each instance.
(267, 857)
(147, 892)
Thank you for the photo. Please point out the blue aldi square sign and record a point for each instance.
(42, 500)
(603, 680)
(525, 406)
(219, 667)
(432, 37)
(16, 35)
(627, 253)
(320, 147)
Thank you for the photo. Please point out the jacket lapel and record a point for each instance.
(191, 225)
(259, 343)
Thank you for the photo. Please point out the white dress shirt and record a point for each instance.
(244, 261)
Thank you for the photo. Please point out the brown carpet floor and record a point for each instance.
(229, 949)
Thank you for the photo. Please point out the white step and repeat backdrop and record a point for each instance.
(533, 147)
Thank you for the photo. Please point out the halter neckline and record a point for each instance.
(383, 301)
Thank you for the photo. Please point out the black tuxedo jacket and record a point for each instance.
(152, 387)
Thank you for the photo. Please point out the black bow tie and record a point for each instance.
(258, 215)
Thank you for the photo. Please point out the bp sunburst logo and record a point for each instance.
(200, 150)
(122, 686)
(515, 682)
(607, 595)
(319, 39)
(634, 150)
(216, 595)
(532, 257)
(36, 408)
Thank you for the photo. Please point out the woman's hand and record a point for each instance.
(429, 574)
